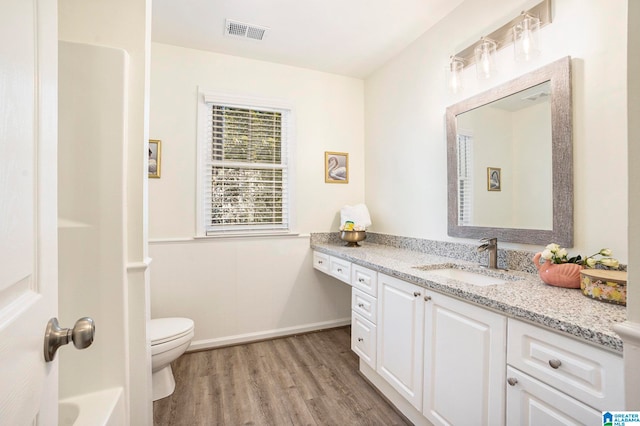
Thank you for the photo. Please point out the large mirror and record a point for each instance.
(510, 160)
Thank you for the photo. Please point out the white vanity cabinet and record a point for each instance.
(401, 336)
(557, 380)
(364, 313)
(363, 338)
(334, 266)
(464, 368)
(364, 302)
(448, 362)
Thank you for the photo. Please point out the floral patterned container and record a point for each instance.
(604, 285)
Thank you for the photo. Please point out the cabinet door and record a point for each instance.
(465, 357)
(400, 336)
(532, 403)
(363, 339)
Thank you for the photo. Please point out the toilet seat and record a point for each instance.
(162, 330)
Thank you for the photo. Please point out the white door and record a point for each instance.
(28, 209)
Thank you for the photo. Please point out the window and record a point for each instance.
(245, 166)
(465, 179)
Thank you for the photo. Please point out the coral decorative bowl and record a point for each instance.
(558, 274)
(605, 286)
(353, 237)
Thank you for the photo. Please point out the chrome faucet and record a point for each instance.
(491, 245)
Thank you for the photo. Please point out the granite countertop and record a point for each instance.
(527, 298)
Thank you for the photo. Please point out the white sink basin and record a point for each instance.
(467, 277)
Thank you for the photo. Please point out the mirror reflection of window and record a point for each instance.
(465, 178)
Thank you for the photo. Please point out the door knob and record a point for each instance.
(81, 334)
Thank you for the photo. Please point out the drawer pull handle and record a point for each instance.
(360, 305)
(319, 262)
(416, 294)
(339, 269)
(427, 298)
(361, 280)
(512, 381)
(555, 363)
(360, 339)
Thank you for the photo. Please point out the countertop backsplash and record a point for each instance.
(514, 260)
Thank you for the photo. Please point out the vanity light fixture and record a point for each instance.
(485, 54)
(521, 30)
(525, 38)
(456, 65)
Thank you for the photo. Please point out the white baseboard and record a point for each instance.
(199, 345)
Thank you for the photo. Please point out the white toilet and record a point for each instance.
(170, 337)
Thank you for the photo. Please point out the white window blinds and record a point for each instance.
(245, 168)
(465, 181)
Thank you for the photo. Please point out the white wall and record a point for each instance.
(531, 170)
(510, 140)
(406, 101)
(232, 287)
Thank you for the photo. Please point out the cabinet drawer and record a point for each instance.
(341, 269)
(321, 261)
(364, 305)
(532, 403)
(363, 339)
(364, 279)
(589, 374)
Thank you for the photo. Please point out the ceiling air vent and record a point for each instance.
(241, 30)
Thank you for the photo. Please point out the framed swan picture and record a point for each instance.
(336, 167)
(154, 158)
(494, 179)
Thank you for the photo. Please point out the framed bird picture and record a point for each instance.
(494, 179)
(154, 158)
(336, 167)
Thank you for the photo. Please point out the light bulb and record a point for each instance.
(455, 74)
(455, 83)
(486, 64)
(484, 54)
(525, 38)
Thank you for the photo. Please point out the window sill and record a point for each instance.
(264, 234)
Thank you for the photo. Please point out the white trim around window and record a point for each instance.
(219, 167)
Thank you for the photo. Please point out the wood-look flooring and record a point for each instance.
(310, 379)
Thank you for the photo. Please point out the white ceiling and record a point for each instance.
(348, 37)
